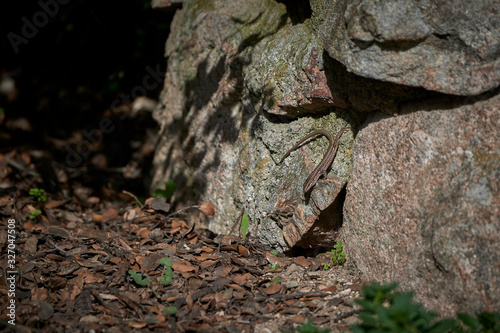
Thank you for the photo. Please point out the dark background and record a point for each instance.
(85, 56)
(70, 70)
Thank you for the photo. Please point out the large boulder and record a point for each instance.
(449, 46)
(423, 203)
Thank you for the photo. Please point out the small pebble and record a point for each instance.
(349, 302)
(344, 293)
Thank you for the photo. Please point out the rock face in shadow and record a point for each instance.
(235, 68)
(246, 79)
(450, 46)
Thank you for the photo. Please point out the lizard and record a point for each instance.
(320, 170)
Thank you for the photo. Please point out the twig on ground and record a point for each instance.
(18, 166)
(51, 242)
(180, 211)
(134, 197)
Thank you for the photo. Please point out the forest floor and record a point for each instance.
(87, 255)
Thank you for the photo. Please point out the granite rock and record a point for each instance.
(423, 204)
(246, 79)
(232, 67)
(450, 46)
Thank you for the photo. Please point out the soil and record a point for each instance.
(76, 264)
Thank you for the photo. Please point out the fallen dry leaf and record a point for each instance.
(109, 215)
(97, 218)
(159, 204)
(272, 259)
(58, 232)
(207, 208)
(31, 244)
(207, 263)
(302, 261)
(242, 279)
(243, 251)
(182, 266)
(330, 289)
(273, 289)
(181, 224)
(54, 204)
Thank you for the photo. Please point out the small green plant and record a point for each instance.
(39, 194)
(327, 266)
(138, 279)
(34, 214)
(168, 274)
(337, 254)
(170, 310)
(276, 280)
(384, 310)
(244, 225)
(401, 315)
(166, 262)
(168, 191)
(274, 252)
(274, 266)
(485, 322)
(309, 327)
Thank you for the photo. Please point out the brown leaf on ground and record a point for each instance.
(159, 204)
(272, 259)
(273, 289)
(109, 215)
(207, 208)
(183, 266)
(58, 232)
(302, 261)
(54, 204)
(30, 245)
(242, 279)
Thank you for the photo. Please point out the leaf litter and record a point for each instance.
(110, 264)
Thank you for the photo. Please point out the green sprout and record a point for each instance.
(170, 310)
(168, 274)
(34, 214)
(244, 225)
(138, 279)
(274, 266)
(309, 327)
(39, 194)
(337, 254)
(169, 190)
